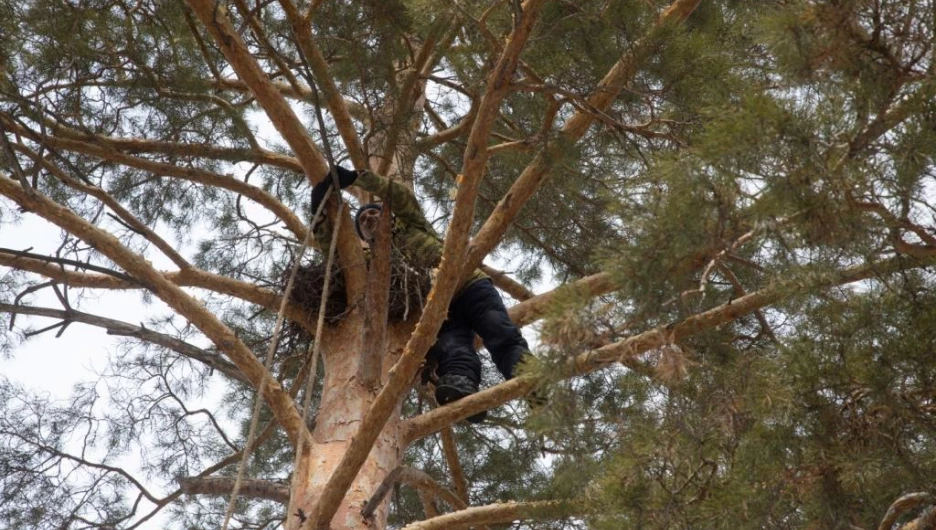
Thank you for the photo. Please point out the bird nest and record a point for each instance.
(408, 290)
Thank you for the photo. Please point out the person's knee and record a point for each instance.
(463, 361)
(499, 332)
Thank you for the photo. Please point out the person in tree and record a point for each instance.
(476, 307)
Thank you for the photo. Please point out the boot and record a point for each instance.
(453, 387)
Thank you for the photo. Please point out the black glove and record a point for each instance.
(346, 177)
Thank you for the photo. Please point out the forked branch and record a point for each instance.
(445, 282)
(416, 479)
(123, 329)
(225, 339)
(52, 268)
(573, 130)
(636, 345)
(215, 19)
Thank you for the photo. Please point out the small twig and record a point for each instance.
(48, 328)
(739, 292)
(65, 261)
(715, 261)
(124, 224)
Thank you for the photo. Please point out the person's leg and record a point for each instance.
(459, 368)
(454, 351)
(481, 306)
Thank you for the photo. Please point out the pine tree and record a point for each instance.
(731, 202)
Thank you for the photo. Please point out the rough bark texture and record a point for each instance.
(346, 399)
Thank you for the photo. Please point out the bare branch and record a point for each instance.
(116, 327)
(13, 161)
(50, 268)
(635, 345)
(224, 338)
(84, 462)
(125, 217)
(532, 309)
(223, 486)
(206, 178)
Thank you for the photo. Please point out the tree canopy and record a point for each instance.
(717, 218)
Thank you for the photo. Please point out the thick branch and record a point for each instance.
(255, 488)
(635, 345)
(445, 282)
(224, 338)
(216, 21)
(336, 104)
(515, 289)
(903, 505)
(500, 513)
(534, 308)
(51, 268)
(116, 327)
(574, 128)
(158, 168)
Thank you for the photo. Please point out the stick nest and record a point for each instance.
(409, 287)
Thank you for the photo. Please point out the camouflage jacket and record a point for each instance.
(413, 235)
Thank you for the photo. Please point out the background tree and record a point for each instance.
(734, 200)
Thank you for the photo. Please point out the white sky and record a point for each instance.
(51, 366)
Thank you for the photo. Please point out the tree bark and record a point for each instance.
(346, 399)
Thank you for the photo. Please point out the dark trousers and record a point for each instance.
(477, 309)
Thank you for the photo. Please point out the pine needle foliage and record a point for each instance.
(741, 241)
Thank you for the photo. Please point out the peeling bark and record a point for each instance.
(345, 402)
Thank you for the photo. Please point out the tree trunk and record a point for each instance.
(345, 400)
(347, 395)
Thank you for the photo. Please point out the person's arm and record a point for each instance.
(346, 177)
(402, 201)
(321, 225)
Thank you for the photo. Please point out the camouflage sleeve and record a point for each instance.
(401, 199)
